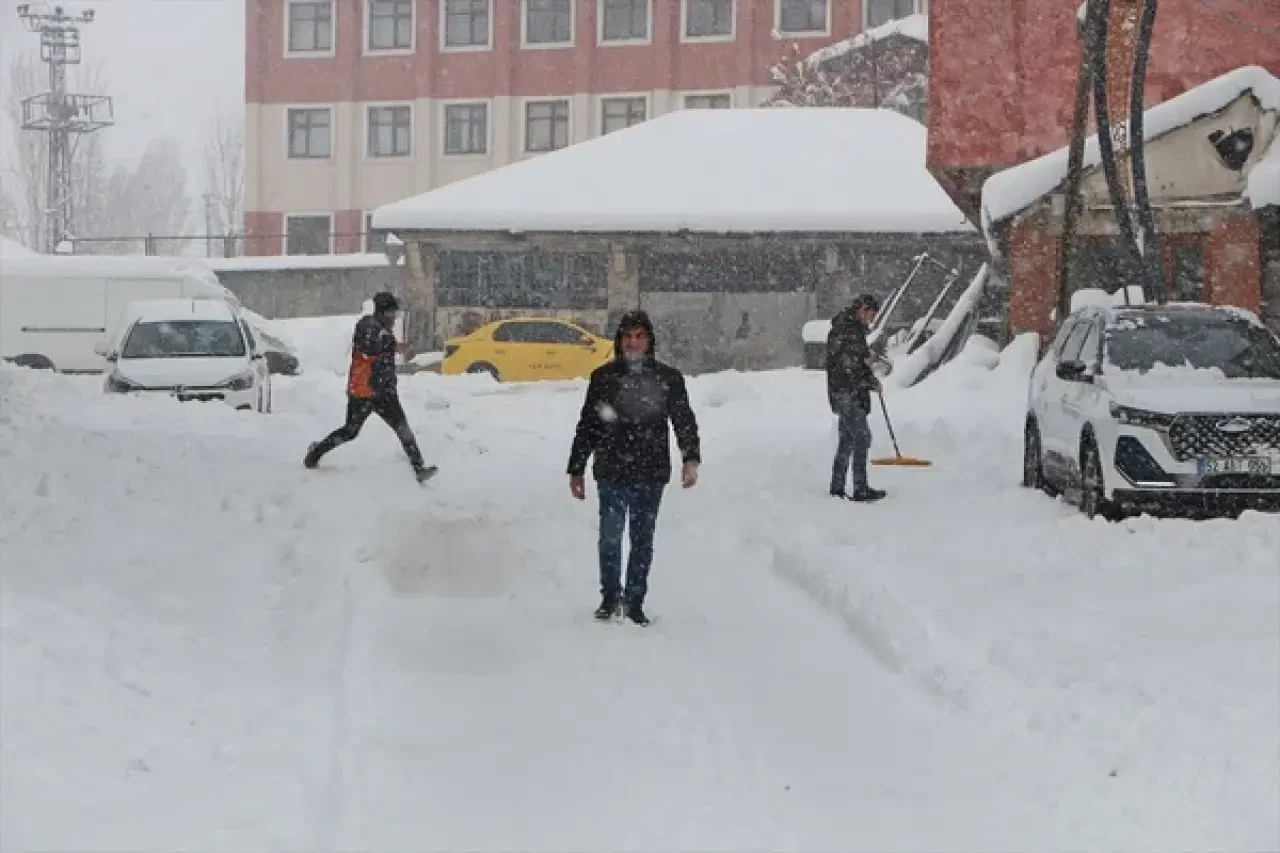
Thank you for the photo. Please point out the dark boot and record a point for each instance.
(424, 472)
(635, 612)
(608, 608)
(314, 452)
(866, 494)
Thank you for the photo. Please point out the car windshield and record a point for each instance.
(185, 339)
(1241, 350)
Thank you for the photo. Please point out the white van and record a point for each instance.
(54, 308)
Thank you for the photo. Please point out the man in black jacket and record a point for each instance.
(850, 382)
(371, 387)
(630, 400)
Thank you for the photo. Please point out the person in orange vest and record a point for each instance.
(371, 387)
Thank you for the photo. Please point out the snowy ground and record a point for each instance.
(204, 646)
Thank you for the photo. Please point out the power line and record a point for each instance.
(58, 113)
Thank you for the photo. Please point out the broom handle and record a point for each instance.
(885, 409)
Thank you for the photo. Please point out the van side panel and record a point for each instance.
(59, 320)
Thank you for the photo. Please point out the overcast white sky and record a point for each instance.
(171, 65)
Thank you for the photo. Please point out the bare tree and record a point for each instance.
(224, 176)
(886, 67)
(149, 200)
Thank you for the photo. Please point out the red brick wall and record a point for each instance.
(348, 226)
(1233, 263)
(1033, 273)
(1003, 72)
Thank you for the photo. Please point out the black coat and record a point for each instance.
(373, 359)
(624, 421)
(849, 376)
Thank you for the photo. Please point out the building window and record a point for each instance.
(310, 26)
(466, 129)
(1187, 274)
(802, 16)
(390, 24)
(307, 235)
(548, 21)
(309, 132)
(466, 23)
(374, 241)
(707, 102)
(390, 131)
(624, 20)
(708, 18)
(546, 125)
(617, 113)
(880, 12)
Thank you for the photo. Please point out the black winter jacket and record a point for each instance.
(848, 374)
(624, 420)
(373, 359)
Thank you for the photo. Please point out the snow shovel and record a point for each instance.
(899, 459)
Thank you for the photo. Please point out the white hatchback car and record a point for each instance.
(192, 349)
(1157, 406)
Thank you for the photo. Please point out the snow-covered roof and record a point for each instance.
(1264, 180)
(912, 27)
(265, 263)
(126, 266)
(747, 170)
(13, 249)
(1012, 191)
(166, 310)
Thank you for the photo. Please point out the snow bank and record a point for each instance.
(931, 350)
(912, 27)
(1014, 190)
(714, 171)
(12, 248)
(322, 343)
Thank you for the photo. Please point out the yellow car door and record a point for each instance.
(513, 353)
(585, 353)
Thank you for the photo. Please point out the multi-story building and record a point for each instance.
(351, 104)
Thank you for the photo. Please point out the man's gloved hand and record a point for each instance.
(689, 477)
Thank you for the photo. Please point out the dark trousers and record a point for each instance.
(358, 411)
(621, 503)
(854, 446)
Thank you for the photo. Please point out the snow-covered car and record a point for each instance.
(1154, 407)
(192, 349)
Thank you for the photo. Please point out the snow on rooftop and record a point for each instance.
(298, 262)
(1014, 190)
(913, 27)
(711, 171)
(132, 266)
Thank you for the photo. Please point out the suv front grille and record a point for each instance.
(1203, 436)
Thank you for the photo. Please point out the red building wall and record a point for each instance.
(1003, 72)
(665, 63)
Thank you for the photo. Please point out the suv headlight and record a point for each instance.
(1140, 417)
(239, 382)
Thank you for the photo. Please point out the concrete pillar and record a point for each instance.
(420, 298)
(623, 284)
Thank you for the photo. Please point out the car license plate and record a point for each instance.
(1257, 466)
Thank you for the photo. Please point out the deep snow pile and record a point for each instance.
(203, 645)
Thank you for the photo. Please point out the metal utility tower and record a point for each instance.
(59, 113)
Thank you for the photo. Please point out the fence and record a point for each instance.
(233, 245)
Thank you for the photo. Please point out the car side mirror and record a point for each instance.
(1073, 371)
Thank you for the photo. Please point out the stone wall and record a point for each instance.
(280, 294)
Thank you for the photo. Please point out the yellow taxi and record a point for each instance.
(527, 349)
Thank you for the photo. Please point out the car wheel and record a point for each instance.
(1093, 501)
(1033, 461)
(484, 367)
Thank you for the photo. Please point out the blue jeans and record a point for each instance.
(620, 503)
(854, 445)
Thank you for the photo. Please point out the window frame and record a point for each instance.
(685, 38)
(790, 35)
(287, 31)
(524, 124)
(444, 127)
(369, 107)
(284, 238)
(370, 50)
(601, 41)
(445, 47)
(707, 93)
(918, 7)
(368, 234)
(525, 44)
(289, 109)
(623, 96)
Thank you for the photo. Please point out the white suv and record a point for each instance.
(1154, 407)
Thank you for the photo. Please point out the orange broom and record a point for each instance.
(899, 459)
